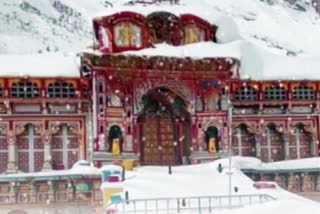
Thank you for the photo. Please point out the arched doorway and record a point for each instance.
(115, 139)
(164, 128)
(30, 150)
(212, 139)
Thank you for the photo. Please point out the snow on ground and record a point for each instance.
(81, 167)
(205, 180)
(254, 163)
(40, 65)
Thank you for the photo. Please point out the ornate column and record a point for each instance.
(12, 153)
(286, 138)
(47, 165)
(257, 138)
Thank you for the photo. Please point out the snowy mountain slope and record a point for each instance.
(267, 30)
(35, 26)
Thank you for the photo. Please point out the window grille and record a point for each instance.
(61, 90)
(246, 93)
(275, 93)
(303, 93)
(24, 89)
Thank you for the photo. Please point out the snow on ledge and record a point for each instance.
(239, 162)
(40, 65)
(199, 50)
(176, 10)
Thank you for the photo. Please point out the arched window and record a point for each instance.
(25, 89)
(30, 150)
(300, 145)
(128, 35)
(61, 90)
(211, 137)
(272, 145)
(275, 93)
(115, 140)
(303, 93)
(243, 142)
(193, 34)
(246, 93)
(65, 148)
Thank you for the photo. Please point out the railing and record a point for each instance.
(203, 204)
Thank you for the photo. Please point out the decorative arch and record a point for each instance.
(301, 142)
(61, 89)
(212, 139)
(30, 147)
(115, 139)
(272, 143)
(25, 89)
(65, 140)
(164, 28)
(243, 140)
(163, 125)
(195, 29)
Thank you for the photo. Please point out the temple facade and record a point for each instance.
(163, 108)
(156, 89)
(43, 123)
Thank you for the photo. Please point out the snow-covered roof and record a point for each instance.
(40, 65)
(196, 51)
(259, 64)
(176, 10)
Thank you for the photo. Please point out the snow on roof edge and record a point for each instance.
(40, 65)
(176, 10)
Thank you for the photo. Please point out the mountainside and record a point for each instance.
(289, 27)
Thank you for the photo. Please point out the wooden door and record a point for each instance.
(158, 147)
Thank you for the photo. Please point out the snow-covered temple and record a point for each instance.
(161, 94)
(154, 89)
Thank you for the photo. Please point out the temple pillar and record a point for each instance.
(286, 138)
(257, 138)
(12, 155)
(47, 166)
(318, 183)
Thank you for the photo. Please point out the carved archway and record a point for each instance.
(212, 139)
(165, 121)
(243, 140)
(164, 27)
(115, 139)
(30, 147)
